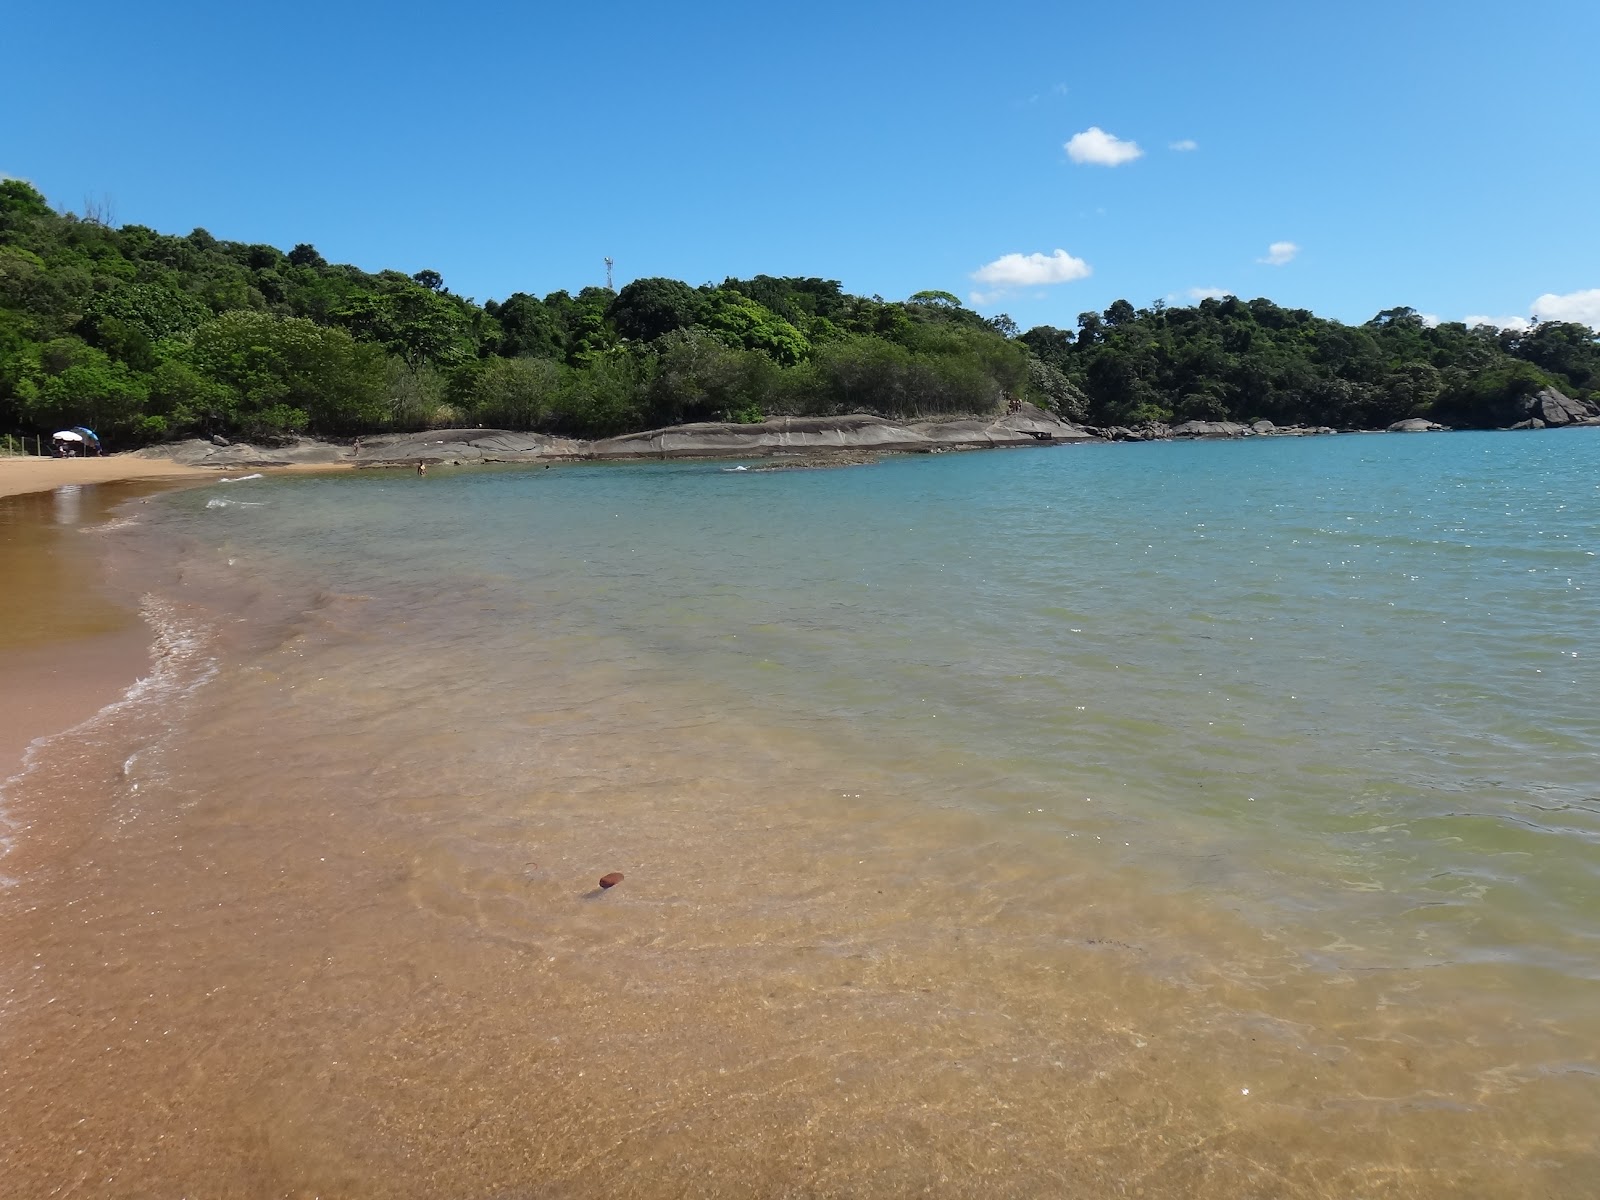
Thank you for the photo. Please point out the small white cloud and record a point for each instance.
(1580, 307)
(1279, 253)
(1011, 271)
(1097, 148)
(1429, 320)
(1516, 323)
(1184, 144)
(1027, 270)
(1198, 293)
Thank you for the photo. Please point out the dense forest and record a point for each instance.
(147, 336)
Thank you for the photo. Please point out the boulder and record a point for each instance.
(1556, 408)
(1415, 425)
(1263, 427)
(1209, 429)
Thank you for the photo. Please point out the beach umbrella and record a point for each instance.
(69, 435)
(88, 434)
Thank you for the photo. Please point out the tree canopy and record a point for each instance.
(145, 335)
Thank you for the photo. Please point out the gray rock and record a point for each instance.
(1415, 425)
(1556, 408)
(1209, 429)
(854, 434)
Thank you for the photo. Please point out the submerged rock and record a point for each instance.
(1415, 425)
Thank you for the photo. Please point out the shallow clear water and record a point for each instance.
(1206, 818)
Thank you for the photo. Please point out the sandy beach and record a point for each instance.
(23, 473)
(69, 648)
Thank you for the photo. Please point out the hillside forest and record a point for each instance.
(147, 336)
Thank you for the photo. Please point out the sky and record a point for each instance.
(1035, 159)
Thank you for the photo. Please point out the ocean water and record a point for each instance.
(1164, 820)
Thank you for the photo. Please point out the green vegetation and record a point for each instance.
(146, 336)
(1230, 359)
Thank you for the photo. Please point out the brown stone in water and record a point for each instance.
(611, 880)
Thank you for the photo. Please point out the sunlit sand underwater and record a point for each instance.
(1177, 820)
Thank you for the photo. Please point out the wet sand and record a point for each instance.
(68, 647)
(23, 473)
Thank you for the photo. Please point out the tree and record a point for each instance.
(742, 322)
(528, 328)
(648, 308)
(516, 393)
(699, 377)
(1120, 313)
(305, 255)
(287, 375)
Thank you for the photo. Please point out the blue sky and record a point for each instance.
(1442, 156)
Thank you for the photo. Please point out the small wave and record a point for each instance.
(182, 665)
(242, 478)
(219, 502)
(109, 526)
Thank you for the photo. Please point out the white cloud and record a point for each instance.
(1516, 323)
(1184, 144)
(1097, 148)
(1011, 271)
(1199, 293)
(1279, 253)
(1429, 320)
(1581, 307)
(1027, 270)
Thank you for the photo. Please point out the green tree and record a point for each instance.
(289, 375)
(648, 308)
(517, 393)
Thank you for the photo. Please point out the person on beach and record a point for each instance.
(422, 468)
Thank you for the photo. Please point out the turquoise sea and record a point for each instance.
(1171, 820)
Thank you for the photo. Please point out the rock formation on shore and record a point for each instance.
(779, 437)
(813, 439)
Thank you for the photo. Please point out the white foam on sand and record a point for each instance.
(182, 663)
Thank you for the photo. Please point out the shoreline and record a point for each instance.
(70, 647)
(21, 474)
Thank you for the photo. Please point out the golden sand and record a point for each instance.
(67, 647)
(19, 474)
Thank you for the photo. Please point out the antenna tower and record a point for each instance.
(609, 288)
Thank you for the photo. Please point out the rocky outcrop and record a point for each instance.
(1415, 425)
(1553, 408)
(1150, 431)
(780, 436)
(1211, 429)
(219, 452)
(811, 435)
